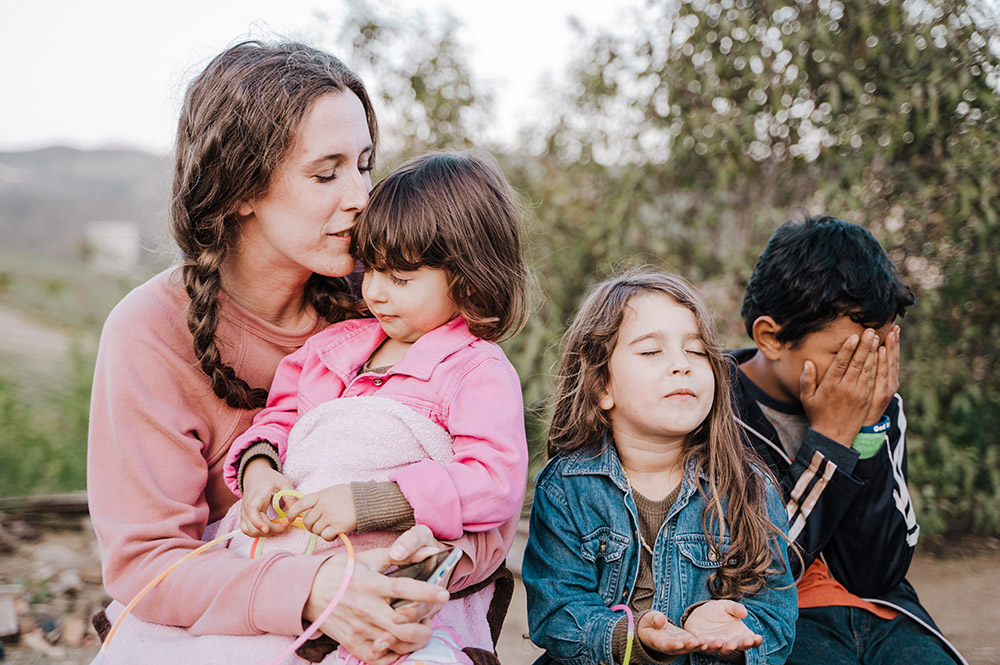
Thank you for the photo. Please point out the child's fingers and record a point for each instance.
(328, 533)
(736, 610)
(882, 371)
(256, 524)
(842, 361)
(807, 381)
(249, 530)
(260, 521)
(657, 620)
(249, 521)
(297, 506)
(861, 367)
(712, 644)
(869, 367)
(892, 348)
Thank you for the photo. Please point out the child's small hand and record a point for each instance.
(838, 404)
(719, 625)
(886, 377)
(260, 483)
(658, 634)
(327, 512)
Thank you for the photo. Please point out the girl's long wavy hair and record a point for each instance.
(239, 118)
(735, 472)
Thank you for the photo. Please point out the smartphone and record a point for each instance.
(435, 569)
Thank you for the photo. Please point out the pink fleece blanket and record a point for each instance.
(344, 440)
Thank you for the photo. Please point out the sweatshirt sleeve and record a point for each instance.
(483, 485)
(147, 479)
(275, 421)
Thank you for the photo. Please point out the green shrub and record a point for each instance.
(44, 438)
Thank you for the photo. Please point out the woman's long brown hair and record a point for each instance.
(735, 472)
(238, 121)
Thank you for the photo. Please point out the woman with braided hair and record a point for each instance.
(275, 146)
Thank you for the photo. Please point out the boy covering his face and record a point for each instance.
(817, 400)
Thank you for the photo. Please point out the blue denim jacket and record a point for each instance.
(582, 557)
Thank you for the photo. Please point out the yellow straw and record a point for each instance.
(156, 580)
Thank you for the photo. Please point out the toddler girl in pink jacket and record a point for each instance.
(415, 415)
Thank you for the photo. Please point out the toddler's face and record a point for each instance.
(661, 386)
(410, 303)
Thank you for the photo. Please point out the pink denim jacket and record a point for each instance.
(463, 383)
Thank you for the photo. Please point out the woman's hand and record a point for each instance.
(363, 622)
(260, 483)
(719, 625)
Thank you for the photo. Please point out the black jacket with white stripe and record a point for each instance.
(855, 514)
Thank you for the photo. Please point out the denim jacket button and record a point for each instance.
(604, 546)
(712, 556)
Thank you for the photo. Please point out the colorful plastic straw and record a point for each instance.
(282, 516)
(631, 631)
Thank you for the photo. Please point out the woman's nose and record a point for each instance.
(358, 189)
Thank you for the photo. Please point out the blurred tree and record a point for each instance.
(684, 139)
(687, 137)
(418, 76)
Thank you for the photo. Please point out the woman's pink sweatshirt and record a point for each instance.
(157, 446)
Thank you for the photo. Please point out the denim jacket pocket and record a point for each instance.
(699, 561)
(606, 550)
(700, 553)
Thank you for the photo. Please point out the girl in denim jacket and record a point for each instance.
(650, 503)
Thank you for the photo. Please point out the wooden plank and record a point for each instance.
(8, 612)
(71, 503)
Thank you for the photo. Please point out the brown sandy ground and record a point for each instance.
(57, 566)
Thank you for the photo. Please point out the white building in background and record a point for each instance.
(112, 247)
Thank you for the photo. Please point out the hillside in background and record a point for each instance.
(48, 196)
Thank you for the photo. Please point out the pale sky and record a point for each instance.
(94, 73)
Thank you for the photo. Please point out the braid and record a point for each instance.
(332, 298)
(203, 282)
(239, 117)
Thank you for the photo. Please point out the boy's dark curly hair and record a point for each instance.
(816, 269)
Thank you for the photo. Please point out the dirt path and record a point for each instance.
(30, 340)
(960, 591)
(60, 568)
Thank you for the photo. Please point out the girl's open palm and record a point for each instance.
(658, 634)
(719, 625)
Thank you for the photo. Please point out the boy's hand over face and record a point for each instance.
(886, 377)
(838, 405)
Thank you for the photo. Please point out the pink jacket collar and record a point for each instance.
(360, 337)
